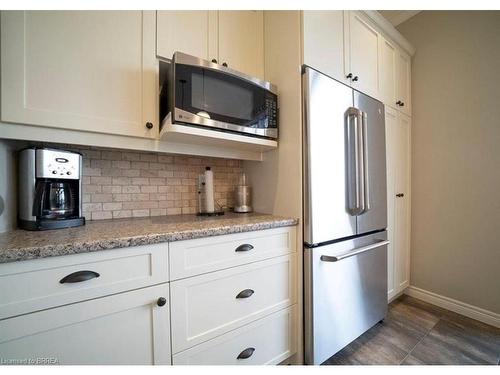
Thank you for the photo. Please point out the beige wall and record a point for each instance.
(455, 248)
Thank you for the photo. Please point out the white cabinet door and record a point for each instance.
(83, 70)
(241, 41)
(193, 32)
(362, 54)
(387, 72)
(403, 92)
(126, 328)
(402, 204)
(398, 138)
(323, 33)
(391, 124)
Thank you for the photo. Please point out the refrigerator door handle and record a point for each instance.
(366, 174)
(355, 196)
(359, 250)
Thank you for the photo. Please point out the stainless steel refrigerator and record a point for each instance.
(345, 215)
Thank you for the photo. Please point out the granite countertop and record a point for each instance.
(18, 245)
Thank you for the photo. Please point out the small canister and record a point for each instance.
(243, 197)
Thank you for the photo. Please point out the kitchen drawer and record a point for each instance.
(207, 306)
(35, 284)
(273, 339)
(194, 257)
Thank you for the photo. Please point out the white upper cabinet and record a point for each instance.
(362, 54)
(403, 87)
(81, 70)
(231, 38)
(323, 34)
(241, 41)
(192, 32)
(387, 72)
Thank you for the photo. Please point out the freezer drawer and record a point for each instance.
(345, 293)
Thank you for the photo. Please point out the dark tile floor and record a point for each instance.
(416, 333)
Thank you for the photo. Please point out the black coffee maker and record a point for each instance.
(50, 189)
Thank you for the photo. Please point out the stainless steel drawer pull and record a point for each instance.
(79, 276)
(247, 353)
(328, 258)
(244, 247)
(245, 293)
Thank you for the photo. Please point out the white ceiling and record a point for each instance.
(398, 16)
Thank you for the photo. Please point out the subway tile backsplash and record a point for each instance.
(120, 183)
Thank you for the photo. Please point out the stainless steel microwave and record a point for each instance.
(204, 94)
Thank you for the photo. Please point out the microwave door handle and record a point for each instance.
(366, 174)
(352, 145)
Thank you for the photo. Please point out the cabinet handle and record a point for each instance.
(355, 78)
(398, 102)
(214, 61)
(149, 125)
(162, 301)
(245, 293)
(224, 64)
(402, 104)
(244, 247)
(349, 76)
(247, 353)
(400, 195)
(78, 277)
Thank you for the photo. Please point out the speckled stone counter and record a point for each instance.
(100, 235)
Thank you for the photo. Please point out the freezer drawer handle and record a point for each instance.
(244, 247)
(245, 293)
(247, 353)
(328, 258)
(79, 276)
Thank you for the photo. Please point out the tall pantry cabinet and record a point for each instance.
(355, 48)
(398, 148)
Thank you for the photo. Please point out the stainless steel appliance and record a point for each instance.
(345, 215)
(50, 186)
(204, 94)
(243, 196)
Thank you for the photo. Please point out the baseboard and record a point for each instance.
(474, 312)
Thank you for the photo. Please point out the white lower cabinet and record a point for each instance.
(209, 305)
(266, 341)
(234, 302)
(126, 328)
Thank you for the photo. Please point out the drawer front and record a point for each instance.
(125, 328)
(36, 284)
(267, 341)
(207, 306)
(194, 257)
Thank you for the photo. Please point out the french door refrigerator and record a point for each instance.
(345, 215)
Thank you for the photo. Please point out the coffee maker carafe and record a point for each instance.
(50, 189)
